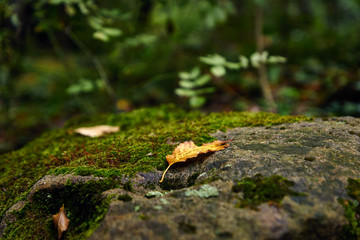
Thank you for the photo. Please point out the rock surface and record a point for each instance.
(317, 156)
(197, 200)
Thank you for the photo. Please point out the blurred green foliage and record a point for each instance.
(61, 58)
(192, 84)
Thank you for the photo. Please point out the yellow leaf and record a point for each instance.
(97, 131)
(61, 222)
(188, 150)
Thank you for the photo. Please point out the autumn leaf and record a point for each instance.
(61, 222)
(97, 131)
(188, 150)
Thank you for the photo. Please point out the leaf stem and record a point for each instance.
(165, 172)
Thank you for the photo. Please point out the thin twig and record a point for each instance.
(260, 45)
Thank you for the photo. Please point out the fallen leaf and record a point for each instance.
(188, 150)
(61, 222)
(97, 131)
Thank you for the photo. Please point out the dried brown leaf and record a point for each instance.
(188, 150)
(97, 131)
(61, 222)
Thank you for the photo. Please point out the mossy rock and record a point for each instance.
(260, 189)
(133, 160)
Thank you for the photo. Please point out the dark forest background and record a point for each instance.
(65, 58)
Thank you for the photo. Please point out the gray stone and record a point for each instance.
(334, 152)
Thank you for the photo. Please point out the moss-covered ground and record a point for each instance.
(146, 136)
(352, 210)
(83, 204)
(260, 189)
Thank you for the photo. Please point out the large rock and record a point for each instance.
(304, 167)
(318, 157)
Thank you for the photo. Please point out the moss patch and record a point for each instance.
(125, 197)
(83, 204)
(352, 210)
(259, 189)
(146, 136)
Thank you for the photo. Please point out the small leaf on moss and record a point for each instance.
(188, 150)
(61, 222)
(97, 131)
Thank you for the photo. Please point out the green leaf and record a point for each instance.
(196, 101)
(86, 85)
(141, 39)
(185, 92)
(14, 18)
(184, 75)
(195, 72)
(218, 70)
(70, 10)
(187, 84)
(73, 89)
(243, 61)
(258, 58)
(83, 8)
(95, 22)
(83, 86)
(114, 32)
(214, 59)
(205, 90)
(101, 36)
(276, 59)
(201, 81)
(100, 84)
(232, 65)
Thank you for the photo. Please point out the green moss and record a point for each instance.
(352, 210)
(125, 198)
(86, 171)
(83, 204)
(150, 186)
(144, 217)
(187, 228)
(191, 180)
(259, 189)
(140, 146)
(212, 177)
(353, 188)
(172, 184)
(128, 187)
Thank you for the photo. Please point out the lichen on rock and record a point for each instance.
(205, 191)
